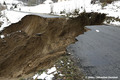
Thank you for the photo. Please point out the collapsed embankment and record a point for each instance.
(34, 43)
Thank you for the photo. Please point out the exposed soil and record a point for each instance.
(35, 43)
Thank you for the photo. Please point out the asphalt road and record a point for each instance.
(97, 51)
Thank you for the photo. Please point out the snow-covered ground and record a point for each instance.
(69, 6)
(9, 17)
(7, 1)
(112, 22)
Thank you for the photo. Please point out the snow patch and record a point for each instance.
(46, 75)
(2, 36)
(53, 69)
(97, 31)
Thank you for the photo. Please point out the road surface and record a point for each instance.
(97, 51)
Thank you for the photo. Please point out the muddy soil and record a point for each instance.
(35, 42)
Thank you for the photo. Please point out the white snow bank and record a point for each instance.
(69, 6)
(9, 17)
(112, 10)
(116, 23)
(43, 8)
(14, 16)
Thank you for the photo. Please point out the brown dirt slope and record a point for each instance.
(34, 43)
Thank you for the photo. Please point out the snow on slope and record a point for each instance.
(112, 10)
(69, 6)
(9, 17)
(66, 6)
(43, 8)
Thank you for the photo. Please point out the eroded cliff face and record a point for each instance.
(34, 43)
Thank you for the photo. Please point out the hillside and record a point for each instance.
(33, 38)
